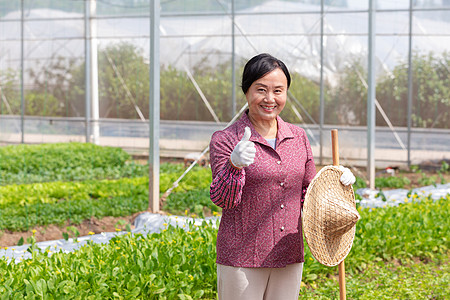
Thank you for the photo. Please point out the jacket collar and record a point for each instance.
(283, 132)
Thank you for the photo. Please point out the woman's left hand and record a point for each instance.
(347, 176)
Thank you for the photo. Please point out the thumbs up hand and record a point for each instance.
(243, 154)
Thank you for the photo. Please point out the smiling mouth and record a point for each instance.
(270, 108)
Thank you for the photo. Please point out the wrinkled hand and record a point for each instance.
(347, 176)
(243, 154)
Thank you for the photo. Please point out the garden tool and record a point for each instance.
(330, 216)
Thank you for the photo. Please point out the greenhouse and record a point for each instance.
(108, 107)
(203, 45)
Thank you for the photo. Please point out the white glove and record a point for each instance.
(347, 176)
(243, 154)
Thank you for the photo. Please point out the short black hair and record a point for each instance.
(260, 65)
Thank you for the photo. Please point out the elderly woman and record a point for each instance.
(261, 168)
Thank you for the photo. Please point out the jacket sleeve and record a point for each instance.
(310, 168)
(227, 181)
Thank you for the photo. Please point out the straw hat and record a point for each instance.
(329, 217)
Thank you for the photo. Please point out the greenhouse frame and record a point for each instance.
(378, 71)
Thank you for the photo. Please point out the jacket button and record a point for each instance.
(282, 183)
(282, 228)
(282, 205)
(279, 162)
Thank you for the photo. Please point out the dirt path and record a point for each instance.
(54, 232)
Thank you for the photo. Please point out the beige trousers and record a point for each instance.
(234, 283)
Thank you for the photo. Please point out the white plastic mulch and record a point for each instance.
(154, 223)
(144, 223)
(373, 199)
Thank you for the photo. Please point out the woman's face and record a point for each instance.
(267, 96)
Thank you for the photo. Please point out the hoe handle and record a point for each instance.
(335, 149)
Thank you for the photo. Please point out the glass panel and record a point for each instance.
(345, 52)
(9, 10)
(432, 4)
(431, 44)
(123, 7)
(392, 4)
(431, 23)
(332, 5)
(51, 8)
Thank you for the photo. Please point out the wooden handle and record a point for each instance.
(341, 267)
(335, 149)
(335, 146)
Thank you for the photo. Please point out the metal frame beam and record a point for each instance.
(154, 103)
(371, 97)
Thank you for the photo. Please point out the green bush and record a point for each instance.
(430, 102)
(175, 264)
(23, 206)
(65, 162)
(56, 94)
(392, 182)
(359, 183)
(196, 202)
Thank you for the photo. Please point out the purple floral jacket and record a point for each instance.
(261, 222)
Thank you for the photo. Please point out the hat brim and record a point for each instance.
(326, 200)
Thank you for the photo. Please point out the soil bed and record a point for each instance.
(110, 224)
(54, 232)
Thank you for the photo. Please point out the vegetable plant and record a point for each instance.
(398, 252)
